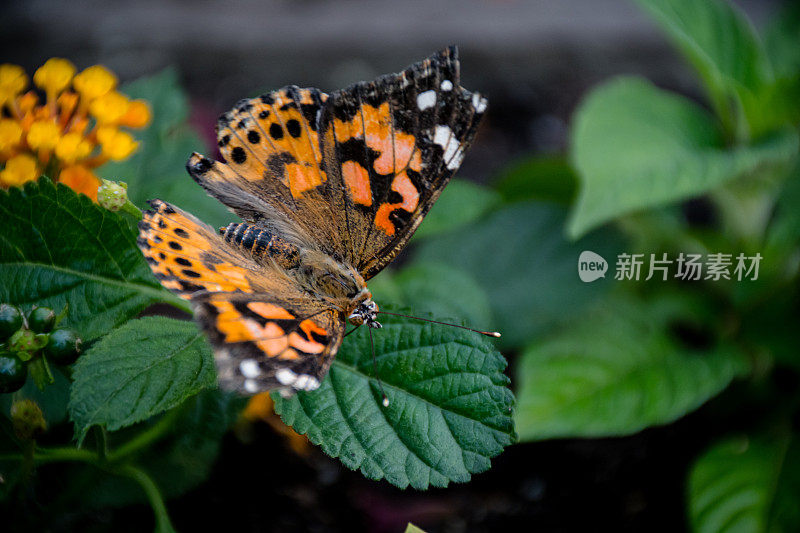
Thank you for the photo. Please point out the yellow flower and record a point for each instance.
(67, 102)
(94, 82)
(19, 169)
(43, 135)
(109, 108)
(80, 179)
(54, 76)
(137, 116)
(13, 81)
(117, 145)
(72, 147)
(10, 134)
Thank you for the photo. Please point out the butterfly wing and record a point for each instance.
(266, 333)
(263, 342)
(393, 144)
(274, 174)
(352, 174)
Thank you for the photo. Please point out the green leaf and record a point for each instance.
(636, 146)
(58, 248)
(614, 372)
(546, 178)
(442, 291)
(528, 269)
(781, 38)
(721, 44)
(158, 168)
(744, 484)
(449, 411)
(411, 528)
(141, 369)
(461, 203)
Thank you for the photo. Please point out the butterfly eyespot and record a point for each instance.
(264, 114)
(224, 140)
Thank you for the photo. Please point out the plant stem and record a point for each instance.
(101, 435)
(132, 210)
(147, 437)
(163, 523)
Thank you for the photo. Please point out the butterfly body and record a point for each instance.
(330, 189)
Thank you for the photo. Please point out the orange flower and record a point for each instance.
(80, 179)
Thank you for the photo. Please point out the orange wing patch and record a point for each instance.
(402, 185)
(276, 134)
(179, 250)
(374, 125)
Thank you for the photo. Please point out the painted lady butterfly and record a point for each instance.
(330, 187)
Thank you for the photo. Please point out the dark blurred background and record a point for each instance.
(534, 60)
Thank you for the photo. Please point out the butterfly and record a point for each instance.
(330, 189)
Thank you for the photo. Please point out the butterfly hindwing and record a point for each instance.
(263, 342)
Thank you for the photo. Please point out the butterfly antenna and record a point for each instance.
(375, 370)
(487, 333)
(351, 331)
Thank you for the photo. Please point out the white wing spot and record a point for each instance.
(426, 100)
(446, 85)
(479, 103)
(250, 385)
(285, 376)
(306, 382)
(249, 368)
(444, 137)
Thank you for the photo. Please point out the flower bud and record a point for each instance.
(27, 419)
(112, 195)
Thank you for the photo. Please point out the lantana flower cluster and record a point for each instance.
(72, 125)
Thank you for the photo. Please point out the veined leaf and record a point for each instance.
(141, 369)
(615, 372)
(58, 248)
(744, 484)
(449, 411)
(636, 146)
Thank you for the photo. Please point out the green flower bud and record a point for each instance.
(112, 195)
(10, 321)
(27, 419)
